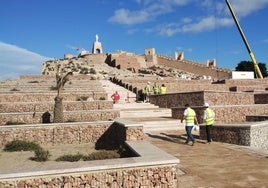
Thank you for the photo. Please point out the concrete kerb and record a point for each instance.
(148, 156)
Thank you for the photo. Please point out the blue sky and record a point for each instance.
(33, 31)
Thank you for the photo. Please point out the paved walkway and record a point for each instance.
(214, 165)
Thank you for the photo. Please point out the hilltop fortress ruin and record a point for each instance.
(180, 67)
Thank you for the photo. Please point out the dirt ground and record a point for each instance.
(13, 162)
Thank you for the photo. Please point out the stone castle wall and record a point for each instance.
(130, 61)
(193, 67)
(126, 61)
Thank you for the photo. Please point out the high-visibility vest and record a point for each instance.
(209, 116)
(156, 89)
(147, 89)
(190, 115)
(163, 90)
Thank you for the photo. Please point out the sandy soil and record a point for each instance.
(14, 162)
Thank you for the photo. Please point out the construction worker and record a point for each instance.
(163, 89)
(147, 90)
(189, 116)
(156, 89)
(209, 117)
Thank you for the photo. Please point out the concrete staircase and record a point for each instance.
(152, 117)
(126, 96)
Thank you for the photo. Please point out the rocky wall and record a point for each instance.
(259, 135)
(246, 82)
(69, 116)
(233, 134)
(254, 88)
(171, 100)
(149, 172)
(37, 97)
(253, 135)
(227, 113)
(228, 98)
(155, 176)
(12, 107)
(72, 133)
(198, 98)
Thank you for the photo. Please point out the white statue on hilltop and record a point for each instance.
(97, 38)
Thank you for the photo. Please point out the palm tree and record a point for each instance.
(58, 107)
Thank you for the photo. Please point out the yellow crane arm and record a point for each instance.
(256, 67)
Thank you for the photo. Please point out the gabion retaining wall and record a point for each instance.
(69, 116)
(254, 135)
(13, 107)
(152, 168)
(70, 133)
(162, 176)
(226, 113)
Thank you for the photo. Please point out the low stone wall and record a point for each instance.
(52, 77)
(178, 99)
(38, 97)
(71, 133)
(69, 116)
(247, 88)
(152, 168)
(233, 134)
(254, 134)
(162, 176)
(258, 135)
(12, 107)
(226, 114)
(199, 97)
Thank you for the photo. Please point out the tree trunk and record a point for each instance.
(58, 110)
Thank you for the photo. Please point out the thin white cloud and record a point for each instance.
(204, 22)
(149, 12)
(16, 61)
(245, 7)
(125, 16)
(265, 40)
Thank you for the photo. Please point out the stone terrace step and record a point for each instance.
(152, 117)
(131, 106)
(125, 95)
(69, 116)
(13, 107)
(151, 124)
(46, 85)
(154, 112)
(35, 97)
